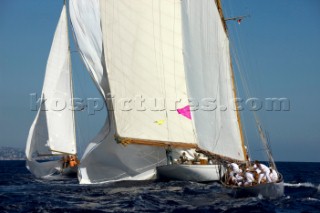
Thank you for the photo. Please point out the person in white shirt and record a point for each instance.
(255, 167)
(249, 178)
(265, 172)
(234, 167)
(273, 175)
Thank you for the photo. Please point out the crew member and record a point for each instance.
(183, 158)
(169, 155)
(249, 178)
(265, 172)
(273, 175)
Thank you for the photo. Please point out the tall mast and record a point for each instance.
(219, 6)
(71, 79)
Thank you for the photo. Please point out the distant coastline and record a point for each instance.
(12, 153)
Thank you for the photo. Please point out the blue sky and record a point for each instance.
(278, 48)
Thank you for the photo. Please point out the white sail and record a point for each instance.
(53, 130)
(209, 75)
(143, 52)
(85, 18)
(104, 160)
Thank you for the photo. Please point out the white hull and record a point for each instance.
(195, 173)
(148, 175)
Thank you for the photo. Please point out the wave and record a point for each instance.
(307, 184)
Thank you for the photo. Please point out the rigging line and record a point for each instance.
(244, 125)
(243, 117)
(81, 86)
(174, 60)
(257, 120)
(81, 132)
(101, 92)
(229, 9)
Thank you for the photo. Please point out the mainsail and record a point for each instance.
(53, 130)
(155, 56)
(209, 75)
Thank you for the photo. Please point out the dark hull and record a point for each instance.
(70, 172)
(268, 190)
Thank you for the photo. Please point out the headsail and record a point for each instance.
(53, 130)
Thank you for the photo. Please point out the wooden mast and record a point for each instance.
(219, 6)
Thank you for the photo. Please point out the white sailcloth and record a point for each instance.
(143, 52)
(209, 75)
(104, 160)
(85, 18)
(53, 130)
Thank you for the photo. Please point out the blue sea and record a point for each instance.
(21, 192)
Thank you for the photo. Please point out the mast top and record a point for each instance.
(219, 6)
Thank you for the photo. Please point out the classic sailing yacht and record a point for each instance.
(140, 54)
(164, 70)
(53, 131)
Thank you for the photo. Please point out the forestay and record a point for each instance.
(53, 130)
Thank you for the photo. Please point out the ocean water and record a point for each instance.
(21, 192)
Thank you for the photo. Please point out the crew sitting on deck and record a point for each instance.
(234, 174)
(234, 168)
(196, 159)
(248, 178)
(73, 161)
(183, 158)
(69, 161)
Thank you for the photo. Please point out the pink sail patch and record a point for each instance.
(185, 111)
